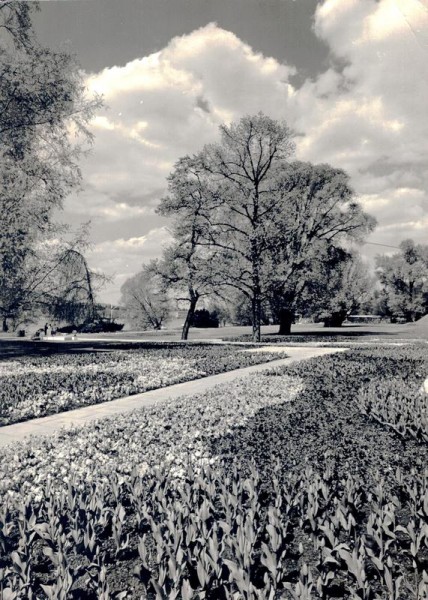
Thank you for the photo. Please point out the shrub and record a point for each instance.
(97, 327)
(204, 319)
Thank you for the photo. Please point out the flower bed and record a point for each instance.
(398, 405)
(276, 486)
(37, 386)
(346, 337)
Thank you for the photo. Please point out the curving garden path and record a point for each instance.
(49, 425)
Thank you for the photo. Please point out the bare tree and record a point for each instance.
(228, 191)
(189, 268)
(145, 302)
(260, 215)
(243, 171)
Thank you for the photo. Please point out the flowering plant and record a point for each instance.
(37, 386)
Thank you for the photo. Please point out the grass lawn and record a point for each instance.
(305, 482)
(300, 333)
(352, 333)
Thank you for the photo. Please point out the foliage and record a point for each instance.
(345, 287)
(59, 284)
(145, 301)
(260, 214)
(323, 215)
(188, 270)
(404, 277)
(204, 318)
(238, 311)
(221, 309)
(398, 404)
(232, 500)
(99, 326)
(42, 99)
(71, 294)
(38, 386)
(212, 188)
(224, 543)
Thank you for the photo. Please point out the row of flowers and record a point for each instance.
(171, 433)
(275, 486)
(37, 386)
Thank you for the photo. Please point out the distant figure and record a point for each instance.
(45, 328)
(48, 330)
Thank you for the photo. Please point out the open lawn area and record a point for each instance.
(303, 482)
(300, 333)
(348, 333)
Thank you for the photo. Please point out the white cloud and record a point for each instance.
(366, 113)
(121, 258)
(100, 207)
(159, 108)
(170, 103)
(369, 115)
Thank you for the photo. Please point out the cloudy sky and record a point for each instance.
(349, 76)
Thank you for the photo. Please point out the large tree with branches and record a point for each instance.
(44, 113)
(243, 177)
(404, 280)
(318, 215)
(144, 299)
(262, 215)
(189, 269)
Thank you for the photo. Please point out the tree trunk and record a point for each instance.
(257, 309)
(5, 327)
(189, 318)
(286, 318)
(409, 316)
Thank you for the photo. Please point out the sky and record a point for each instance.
(350, 77)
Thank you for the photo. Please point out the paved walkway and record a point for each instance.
(80, 416)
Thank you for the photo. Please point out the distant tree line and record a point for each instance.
(404, 282)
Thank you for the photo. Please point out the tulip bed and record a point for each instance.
(319, 340)
(33, 387)
(294, 484)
